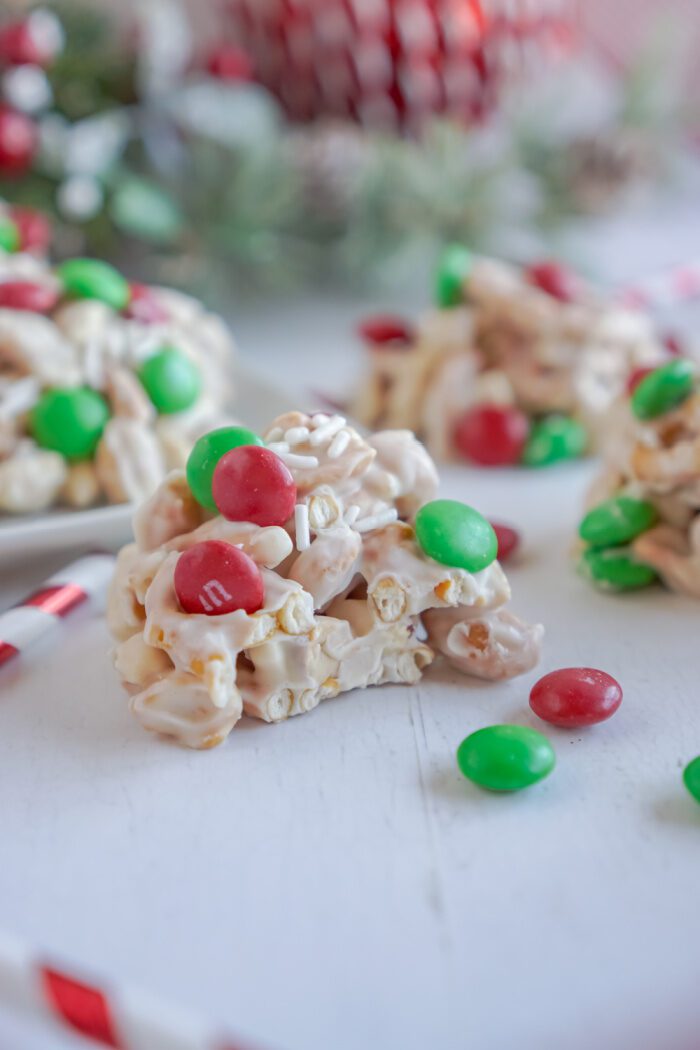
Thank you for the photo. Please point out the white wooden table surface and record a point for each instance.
(332, 883)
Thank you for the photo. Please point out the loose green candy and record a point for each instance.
(616, 569)
(505, 757)
(663, 389)
(617, 521)
(453, 270)
(691, 778)
(94, 279)
(171, 379)
(207, 452)
(554, 439)
(9, 235)
(455, 534)
(69, 421)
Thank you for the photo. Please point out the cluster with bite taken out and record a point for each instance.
(277, 572)
(514, 366)
(104, 384)
(643, 521)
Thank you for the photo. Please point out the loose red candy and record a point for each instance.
(575, 696)
(492, 435)
(26, 295)
(508, 540)
(251, 483)
(554, 279)
(143, 306)
(385, 330)
(215, 577)
(34, 229)
(636, 376)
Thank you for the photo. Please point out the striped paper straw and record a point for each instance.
(120, 1018)
(37, 614)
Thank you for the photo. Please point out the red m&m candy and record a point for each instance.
(492, 435)
(636, 376)
(18, 140)
(143, 306)
(554, 279)
(34, 229)
(251, 483)
(215, 577)
(385, 330)
(26, 295)
(575, 696)
(508, 540)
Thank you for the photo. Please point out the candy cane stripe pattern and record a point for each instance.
(121, 1018)
(60, 594)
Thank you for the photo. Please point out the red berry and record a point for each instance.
(508, 540)
(215, 577)
(228, 62)
(492, 435)
(143, 306)
(554, 279)
(251, 483)
(34, 229)
(636, 376)
(17, 142)
(26, 295)
(575, 696)
(385, 330)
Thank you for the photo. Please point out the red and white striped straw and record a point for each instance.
(668, 288)
(40, 611)
(120, 1018)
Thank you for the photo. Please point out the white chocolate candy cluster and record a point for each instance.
(84, 343)
(350, 598)
(505, 342)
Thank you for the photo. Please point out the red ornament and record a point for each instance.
(386, 331)
(18, 140)
(227, 62)
(251, 483)
(34, 229)
(215, 577)
(576, 696)
(144, 307)
(492, 435)
(554, 279)
(26, 295)
(508, 540)
(636, 376)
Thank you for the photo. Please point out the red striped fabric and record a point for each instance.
(82, 1007)
(57, 600)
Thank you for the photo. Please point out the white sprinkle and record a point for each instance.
(275, 434)
(301, 522)
(18, 397)
(293, 460)
(351, 514)
(295, 435)
(338, 445)
(377, 521)
(327, 430)
(280, 447)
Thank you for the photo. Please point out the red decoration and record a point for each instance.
(251, 483)
(227, 62)
(576, 696)
(143, 306)
(636, 376)
(18, 140)
(384, 330)
(508, 540)
(673, 344)
(20, 46)
(554, 279)
(26, 295)
(34, 229)
(215, 577)
(82, 1007)
(492, 435)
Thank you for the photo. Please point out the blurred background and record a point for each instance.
(248, 147)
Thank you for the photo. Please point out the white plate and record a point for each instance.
(256, 402)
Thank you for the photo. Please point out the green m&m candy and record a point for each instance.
(663, 389)
(616, 569)
(94, 279)
(554, 439)
(505, 757)
(455, 534)
(171, 379)
(9, 235)
(617, 521)
(69, 421)
(205, 455)
(691, 778)
(453, 270)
